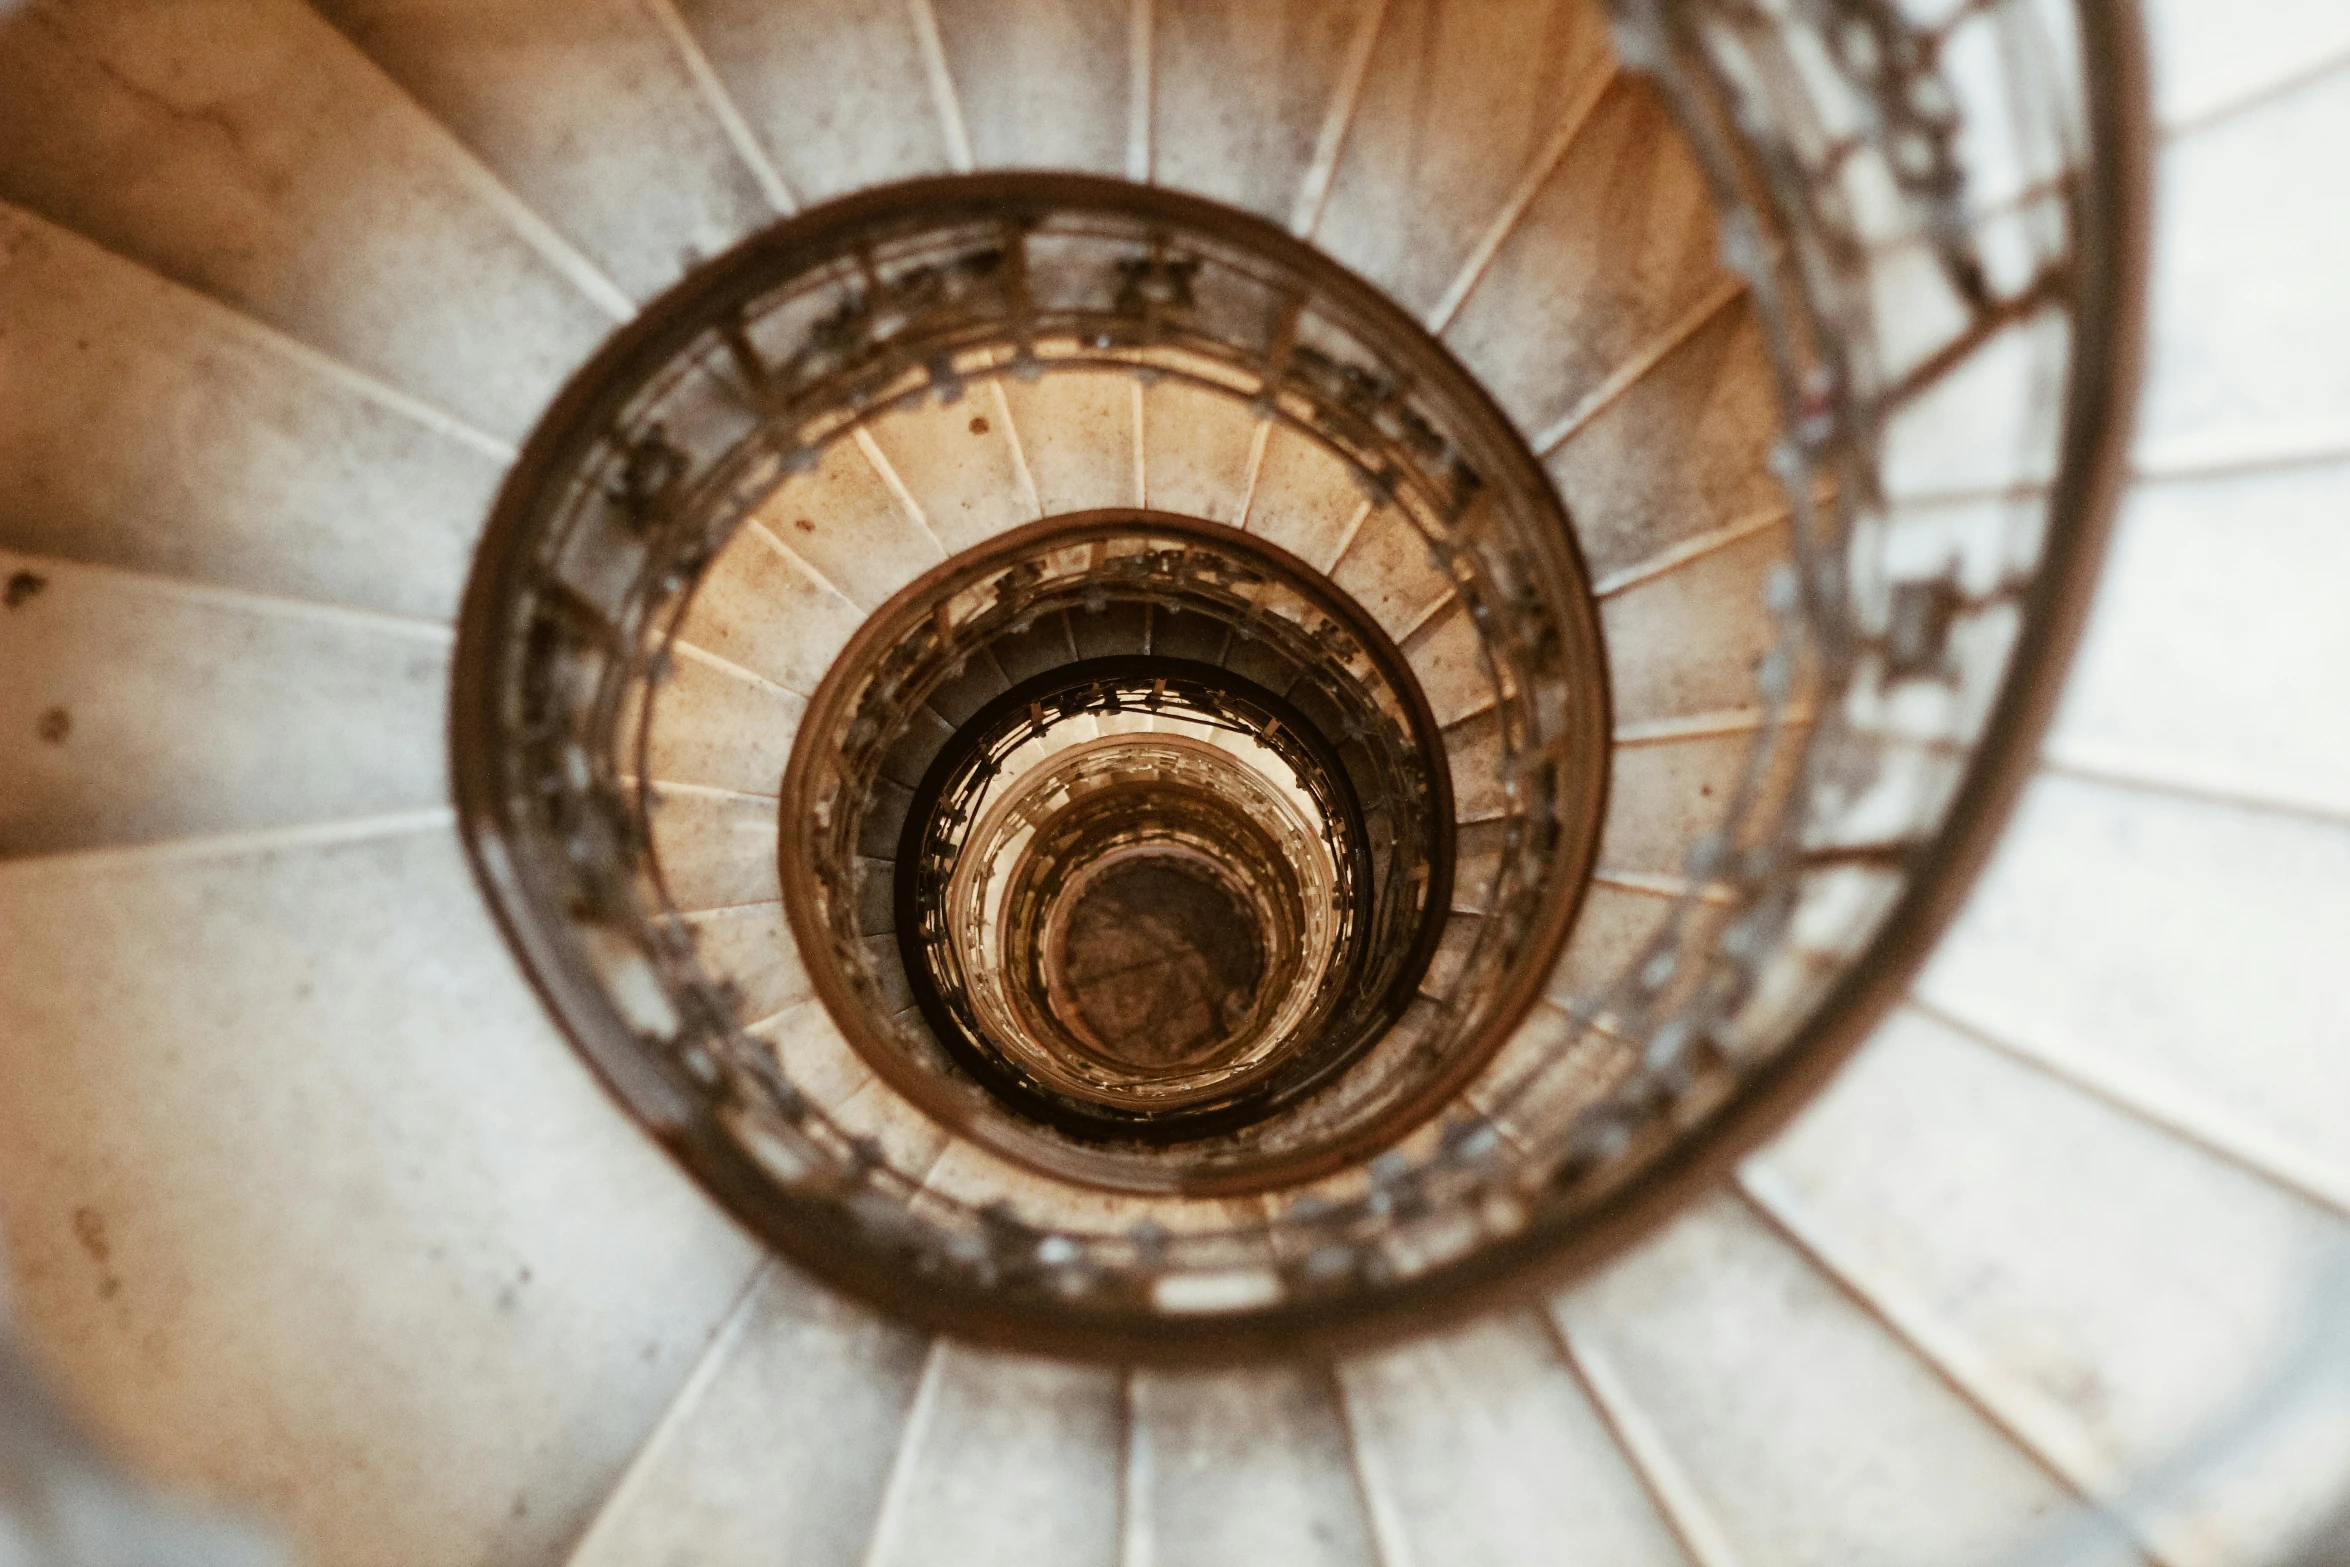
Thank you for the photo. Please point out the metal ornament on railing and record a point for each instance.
(1829, 134)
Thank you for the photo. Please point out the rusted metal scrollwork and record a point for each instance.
(1935, 223)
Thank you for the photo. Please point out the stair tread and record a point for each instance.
(1009, 1460)
(1714, 392)
(185, 441)
(1662, 799)
(845, 519)
(1559, 310)
(1241, 91)
(586, 110)
(1505, 74)
(1808, 1432)
(751, 945)
(1687, 641)
(2229, 364)
(716, 850)
(1077, 431)
(1448, 657)
(355, 1213)
(141, 712)
(963, 466)
(1254, 1465)
(712, 726)
(2196, 944)
(1043, 84)
(2204, 58)
(2191, 613)
(835, 90)
(1452, 1427)
(787, 1433)
(255, 170)
(1307, 500)
(764, 608)
(1199, 451)
(1387, 569)
(2126, 1282)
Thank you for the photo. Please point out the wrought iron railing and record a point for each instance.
(1930, 244)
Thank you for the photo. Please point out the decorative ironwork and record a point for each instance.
(1914, 659)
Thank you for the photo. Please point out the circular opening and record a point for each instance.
(1155, 961)
(1309, 831)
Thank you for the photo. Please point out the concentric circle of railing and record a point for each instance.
(1334, 708)
(1929, 234)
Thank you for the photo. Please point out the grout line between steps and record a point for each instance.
(1346, 540)
(1391, 1544)
(1021, 473)
(1635, 369)
(1657, 885)
(917, 1427)
(1695, 548)
(1142, 472)
(2228, 106)
(801, 564)
(710, 791)
(897, 487)
(244, 600)
(1706, 726)
(2239, 454)
(726, 666)
(1141, 93)
(943, 97)
(1134, 1475)
(231, 845)
(620, 1500)
(545, 240)
(2117, 768)
(1257, 438)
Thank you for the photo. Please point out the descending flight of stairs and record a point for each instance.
(309, 1206)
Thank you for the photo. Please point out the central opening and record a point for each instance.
(1159, 963)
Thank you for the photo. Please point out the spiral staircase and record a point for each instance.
(967, 781)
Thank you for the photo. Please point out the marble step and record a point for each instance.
(310, 1208)
(1481, 1447)
(188, 440)
(837, 94)
(145, 709)
(2108, 1291)
(2211, 996)
(1779, 1421)
(598, 115)
(1245, 1465)
(1007, 1460)
(787, 1431)
(248, 151)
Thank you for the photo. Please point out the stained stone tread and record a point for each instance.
(1447, 1427)
(190, 441)
(252, 171)
(198, 1046)
(139, 710)
(587, 111)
